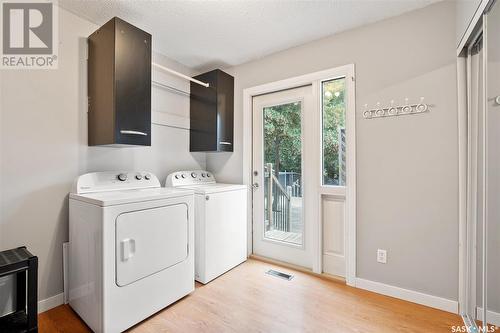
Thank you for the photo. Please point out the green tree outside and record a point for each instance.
(282, 133)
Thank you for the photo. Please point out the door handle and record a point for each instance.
(133, 132)
(255, 186)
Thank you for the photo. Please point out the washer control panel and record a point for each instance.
(192, 177)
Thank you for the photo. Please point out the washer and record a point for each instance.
(131, 248)
(220, 222)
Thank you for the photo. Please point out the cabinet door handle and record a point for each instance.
(133, 132)
(225, 143)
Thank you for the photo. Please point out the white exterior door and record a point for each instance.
(299, 157)
(284, 168)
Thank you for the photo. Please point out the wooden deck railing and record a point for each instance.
(277, 202)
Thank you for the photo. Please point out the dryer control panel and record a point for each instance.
(114, 181)
(191, 177)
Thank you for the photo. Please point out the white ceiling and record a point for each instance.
(209, 34)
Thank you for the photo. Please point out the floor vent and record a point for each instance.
(280, 274)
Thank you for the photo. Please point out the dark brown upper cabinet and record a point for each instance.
(119, 85)
(212, 113)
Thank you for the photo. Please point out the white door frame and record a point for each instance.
(467, 180)
(313, 78)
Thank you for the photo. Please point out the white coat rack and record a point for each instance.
(396, 110)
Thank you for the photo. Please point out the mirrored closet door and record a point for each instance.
(491, 234)
(482, 305)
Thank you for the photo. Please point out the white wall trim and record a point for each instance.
(408, 295)
(349, 72)
(493, 317)
(351, 189)
(51, 302)
(247, 163)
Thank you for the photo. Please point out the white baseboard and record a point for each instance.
(51, 302)
(493, 317)
(408, 295)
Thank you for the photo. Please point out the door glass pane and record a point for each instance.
(333, 132)
(283, 173)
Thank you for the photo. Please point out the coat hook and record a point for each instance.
(392, 110)
(406, 108)
(367, 113)
(421, 107)
(380, 112)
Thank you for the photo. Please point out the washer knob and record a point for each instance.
(176, 176)
(208, 175)
(193, 174)
(138, 176)
(147, 176)
(183, 176)
(203, 175)
(122, 177)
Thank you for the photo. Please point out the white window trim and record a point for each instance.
(313, 78)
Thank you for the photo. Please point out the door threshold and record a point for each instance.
(301, 269)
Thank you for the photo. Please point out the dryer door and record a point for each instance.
(148, 241)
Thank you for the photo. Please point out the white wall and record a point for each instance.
(44, 148)
(407, 166)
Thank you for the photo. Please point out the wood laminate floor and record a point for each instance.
(246, 299)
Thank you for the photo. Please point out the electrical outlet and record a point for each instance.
(382, 256)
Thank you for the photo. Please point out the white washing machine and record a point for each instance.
(220, 222)
(131, 248)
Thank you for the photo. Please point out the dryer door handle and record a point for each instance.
(128, 248)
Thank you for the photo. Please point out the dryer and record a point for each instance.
(131, 249)
(220, 222)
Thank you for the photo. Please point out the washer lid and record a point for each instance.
(214, 188)
(112, 198)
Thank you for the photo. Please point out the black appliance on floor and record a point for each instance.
(21, 264)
